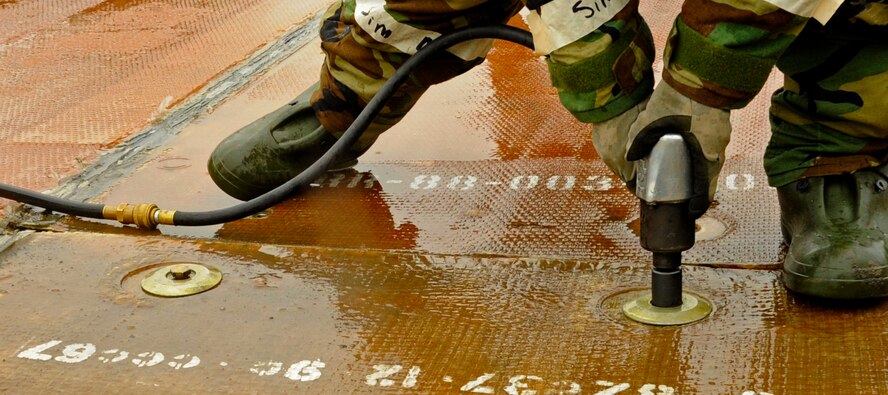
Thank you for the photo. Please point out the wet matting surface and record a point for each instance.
(472, 250)
(317, 320)
(78, 76)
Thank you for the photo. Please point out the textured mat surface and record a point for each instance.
(472, 250)
(315, 320)
(81, 75)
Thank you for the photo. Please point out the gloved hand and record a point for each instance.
(710, 133)
(611, 140)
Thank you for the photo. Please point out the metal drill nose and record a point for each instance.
(665, 188)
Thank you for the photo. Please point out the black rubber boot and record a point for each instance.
(272, 150)
(836, 229)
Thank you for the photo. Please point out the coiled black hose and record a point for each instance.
(279, 194)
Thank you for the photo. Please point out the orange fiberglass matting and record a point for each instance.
(472, 250)
(81, 75)
(322, 321)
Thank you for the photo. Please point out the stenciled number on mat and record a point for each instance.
(384, 376)
(564, 183)
(390, 376)
(79, 352)
(300, 371)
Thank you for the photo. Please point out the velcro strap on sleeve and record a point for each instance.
(592, 73)
(717, 64)
(584, 109)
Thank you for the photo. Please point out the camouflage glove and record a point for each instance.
(620, 140)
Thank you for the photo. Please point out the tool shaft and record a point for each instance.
(666, 280)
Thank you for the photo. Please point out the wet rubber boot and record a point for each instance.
(272, 150)
(835, 227)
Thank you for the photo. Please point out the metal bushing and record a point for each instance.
(181, 279)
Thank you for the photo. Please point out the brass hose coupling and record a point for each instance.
(144, 215)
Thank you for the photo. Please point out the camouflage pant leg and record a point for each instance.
(365, 41)
(832, 115)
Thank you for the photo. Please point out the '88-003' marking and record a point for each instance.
(429, 182)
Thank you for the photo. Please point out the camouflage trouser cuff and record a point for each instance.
(803, 151)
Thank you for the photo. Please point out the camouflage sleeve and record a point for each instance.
(608, 71)
(831, 117)
(720, 52)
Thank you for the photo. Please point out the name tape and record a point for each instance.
(379, 24)
(561, 22)
(821, 10)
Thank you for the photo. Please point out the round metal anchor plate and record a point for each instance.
(639, 308)
(709, 228)
(181, 279)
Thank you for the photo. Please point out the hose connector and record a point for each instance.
(143, 215)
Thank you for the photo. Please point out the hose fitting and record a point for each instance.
(144, 215)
